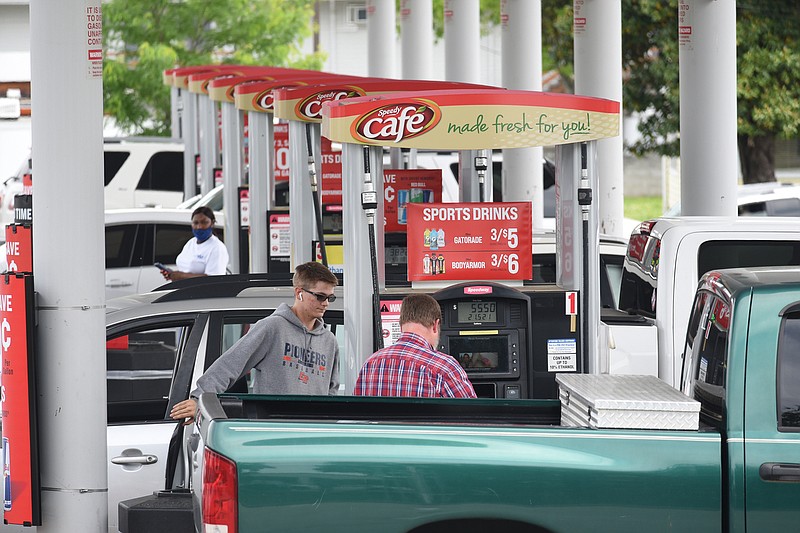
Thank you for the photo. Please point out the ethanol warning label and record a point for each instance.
(562, 355)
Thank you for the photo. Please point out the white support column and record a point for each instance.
(302, 222)
(707, 58)
(462, 39)
(209, 157)
(522, 70)
(189, 125)
(416, 39)
(69, 265)
(176, 111)
(381, 31)
(261, 187)
(598, 72)
(232, 178)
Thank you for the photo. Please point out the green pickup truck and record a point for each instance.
(421, 466)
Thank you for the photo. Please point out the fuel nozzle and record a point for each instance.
(369, 196)
(481, 164)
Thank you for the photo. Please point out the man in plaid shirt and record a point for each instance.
(412, 366)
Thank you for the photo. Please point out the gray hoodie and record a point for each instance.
(286, 358)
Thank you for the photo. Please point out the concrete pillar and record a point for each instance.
(462, 39)
(707, 58)
(261, 187)
(416, 39)
(381, 31)
(232, 140)
(598, 72)
(189, 125)
(69, 264)
(521, 32)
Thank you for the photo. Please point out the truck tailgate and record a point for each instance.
(394, 477)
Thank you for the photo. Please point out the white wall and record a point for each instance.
(15, 47)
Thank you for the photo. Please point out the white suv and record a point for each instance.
(138, 172)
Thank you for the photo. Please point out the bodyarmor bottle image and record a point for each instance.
(6, 475)
(440, 262)
(426, 264)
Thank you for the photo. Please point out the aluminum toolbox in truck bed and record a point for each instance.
(632, 402)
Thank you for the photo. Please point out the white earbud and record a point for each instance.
(301, 296)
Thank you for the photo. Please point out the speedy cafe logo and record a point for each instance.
(311, 106)
(397, 122)
(265, 99)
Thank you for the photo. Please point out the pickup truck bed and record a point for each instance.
(438, 465)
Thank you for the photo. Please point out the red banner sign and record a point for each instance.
(281, 142)
(331, 183)
(402, 187)
(19, 248)
(20, 460)
(466, 241)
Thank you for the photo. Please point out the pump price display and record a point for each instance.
(471, 312)
(467, 241)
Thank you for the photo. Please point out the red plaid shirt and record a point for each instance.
(412, 367)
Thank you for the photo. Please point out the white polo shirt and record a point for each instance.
(209, 257)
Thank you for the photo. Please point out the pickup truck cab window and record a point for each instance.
(714, 255)
(789, 373)
(706, 355)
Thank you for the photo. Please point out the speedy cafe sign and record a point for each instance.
(470, 119)
(305, 103)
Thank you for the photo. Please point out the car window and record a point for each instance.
(120, 243)
(164, 172)
(789, 373)
(112, 162)
(710, 359)
(714, 255)
(170, 240)
(139, 372)
(756, 209)
(784, 207)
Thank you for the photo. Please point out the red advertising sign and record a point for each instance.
(281, 143)
(401, 187)
(466, 241)
(20, 459)
(19, 248)
(331, 183)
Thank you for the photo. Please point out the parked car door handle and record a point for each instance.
(114, 283)
(780, 472)
(135, 459)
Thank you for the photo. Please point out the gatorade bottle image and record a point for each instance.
(440, 261)
(6, 475)
(440, 238)
(434, 240)
(426, 264)
(427, 235)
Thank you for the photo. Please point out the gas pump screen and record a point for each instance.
(481, 353)
(472, 312)
(396, 255)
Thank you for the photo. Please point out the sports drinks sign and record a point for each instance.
(21, 503)
(466, 241)
(402, 187)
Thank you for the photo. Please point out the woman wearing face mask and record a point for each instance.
(204, 254)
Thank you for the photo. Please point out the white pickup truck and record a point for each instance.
(667, 256)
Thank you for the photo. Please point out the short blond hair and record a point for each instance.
(309, 274)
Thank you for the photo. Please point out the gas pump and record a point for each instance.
(511, 337)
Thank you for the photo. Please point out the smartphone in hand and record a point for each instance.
(162, 266)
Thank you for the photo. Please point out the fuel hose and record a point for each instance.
(369, 202)
(312, 174)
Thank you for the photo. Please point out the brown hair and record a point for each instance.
(420, 309)
(310, 273)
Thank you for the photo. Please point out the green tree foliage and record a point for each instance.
(144, 37)
(768, 51)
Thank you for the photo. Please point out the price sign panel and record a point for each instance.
(20, 459)
(281, 142)
(331, 182)
(19, 248)
(401, 187)
(467, 241)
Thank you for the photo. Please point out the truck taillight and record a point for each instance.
(220, 499)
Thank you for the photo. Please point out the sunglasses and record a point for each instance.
(322, 297)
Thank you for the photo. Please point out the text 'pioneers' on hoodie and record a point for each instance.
(286, 358)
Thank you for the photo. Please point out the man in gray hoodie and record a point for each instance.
(291, 351)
